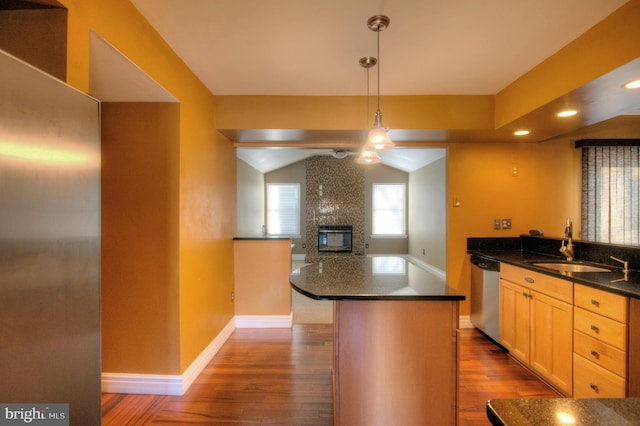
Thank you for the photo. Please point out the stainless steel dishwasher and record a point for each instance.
(485, 290)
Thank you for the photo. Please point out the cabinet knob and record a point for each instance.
(595, 303)
(594, 387)
(529, 280)
(595, 329)
(595, 354)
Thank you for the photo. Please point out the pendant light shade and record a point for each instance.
(378, 139)
(368, 157)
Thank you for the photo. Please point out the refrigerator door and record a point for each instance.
(49, 243)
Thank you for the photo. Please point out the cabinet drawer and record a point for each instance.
(601, 328)
(592, 381)
(600, 353)
(602, 302)
(554, 287)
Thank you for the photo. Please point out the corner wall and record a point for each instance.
(207, 169)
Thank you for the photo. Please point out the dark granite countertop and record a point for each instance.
(562, 411)
(615, 281)
(370, 278)
(262, 237)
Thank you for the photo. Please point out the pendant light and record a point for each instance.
(378, 139)
(368, 155)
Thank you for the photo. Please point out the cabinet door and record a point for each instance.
(514, 319)
(552, 340)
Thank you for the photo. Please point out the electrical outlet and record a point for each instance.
(506, 223)
(496, 224)
(424, 251)
(233, 296)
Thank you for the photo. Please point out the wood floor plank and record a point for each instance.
(284, 377)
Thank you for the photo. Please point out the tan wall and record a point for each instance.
(427, 214)
(140, 223)
(251, 204)
(262, 269)
(207, 168)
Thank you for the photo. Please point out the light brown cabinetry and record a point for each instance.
(536, 323)
(600, 343)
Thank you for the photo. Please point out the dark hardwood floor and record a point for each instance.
(283, 376)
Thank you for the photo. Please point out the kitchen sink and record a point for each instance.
(570, 267)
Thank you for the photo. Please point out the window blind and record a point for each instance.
(283, 209)
(389, 203)
(611, 194)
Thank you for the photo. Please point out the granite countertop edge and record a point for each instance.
(602, 281)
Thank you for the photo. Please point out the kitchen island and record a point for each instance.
(395, 339)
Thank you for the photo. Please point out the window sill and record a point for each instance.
(389, 237)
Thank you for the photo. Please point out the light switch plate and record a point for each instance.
(496, 224)
(506, 223)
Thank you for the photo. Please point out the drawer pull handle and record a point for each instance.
(595, 329)
(595, 354)
(594, 387)
(595, 303)
(529, 280)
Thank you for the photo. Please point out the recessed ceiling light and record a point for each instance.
(521, 132)
(567, 113)
(635, 84)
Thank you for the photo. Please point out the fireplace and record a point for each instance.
(334, 238)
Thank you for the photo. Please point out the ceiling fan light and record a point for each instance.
(368, 157)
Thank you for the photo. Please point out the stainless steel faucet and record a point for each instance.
(568, 234)
(624, 263)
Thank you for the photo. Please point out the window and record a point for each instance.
(389, 204)
(611, 191)
(283, 209)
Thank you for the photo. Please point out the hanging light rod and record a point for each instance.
(378, 139)
(368, 155)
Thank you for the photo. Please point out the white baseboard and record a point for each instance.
(264, 321)
(166, 384)
(465, 322)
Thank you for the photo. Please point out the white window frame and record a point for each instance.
(375, 209)
(272, 229)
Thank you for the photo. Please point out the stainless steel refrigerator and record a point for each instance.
(49, 242)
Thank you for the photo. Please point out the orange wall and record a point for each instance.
(206, 181)
(207, 161)
(541, 196)
(139, 268)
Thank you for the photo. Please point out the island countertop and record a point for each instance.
(370, 278)
(554, 411)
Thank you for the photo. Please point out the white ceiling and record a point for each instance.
(406, 159)
(312, 47)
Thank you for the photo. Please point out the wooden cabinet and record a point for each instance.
(551, 344)
(514, 319)
(536, 323)
(600, 348)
